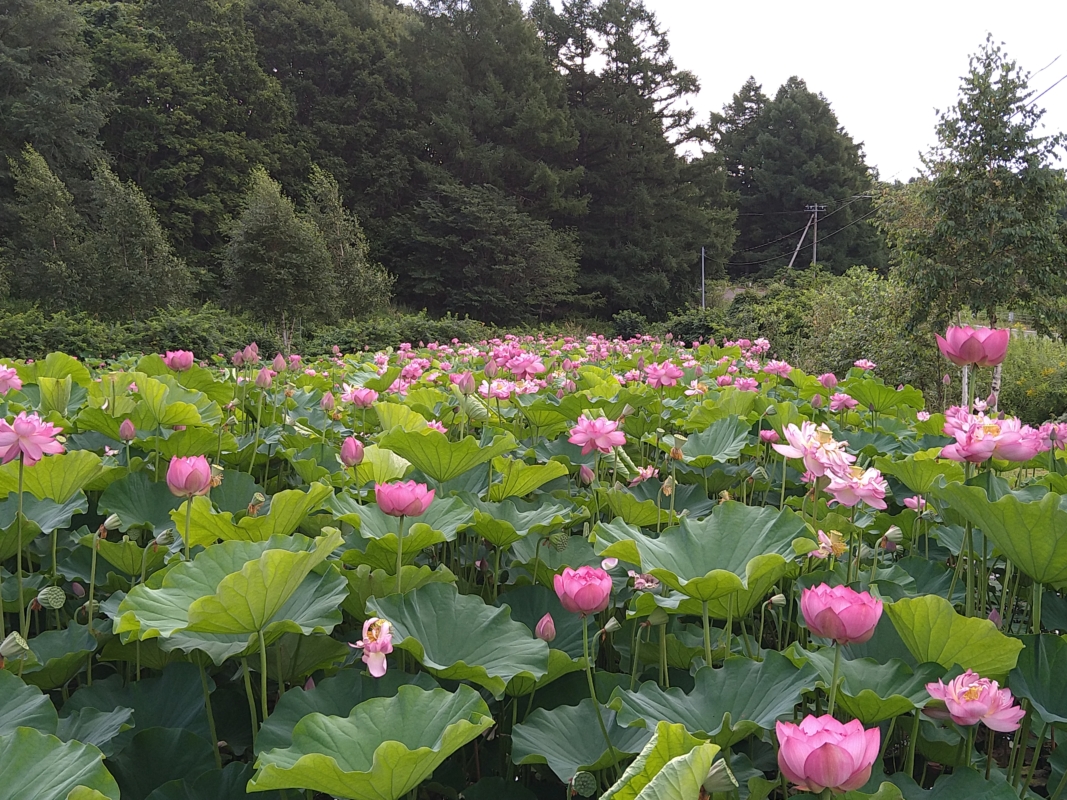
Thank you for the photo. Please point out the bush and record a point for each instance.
(1034, 380)
(384, 331)
(696, 323)
(629, 324)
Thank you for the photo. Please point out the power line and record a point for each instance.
(798, 230)
(824, 238)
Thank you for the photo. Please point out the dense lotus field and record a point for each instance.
(526, 568)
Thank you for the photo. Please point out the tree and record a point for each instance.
(277, 264)
(46, 250)
(362, 285)
(988, 235)
(132, 269)
(786, 154)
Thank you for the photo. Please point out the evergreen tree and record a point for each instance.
(362, 285)
(782, 156)
(988, 235)
(132, 270)
(46, 253)
(277, 264)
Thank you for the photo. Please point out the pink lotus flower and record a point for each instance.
(127, 431)
(435, 425)
(983, 347)
(279, 363)
(840, 613)
(585, 475)
(264, 378)
(377, 643)
(822, 753)
(546, 628)
(779, 368)
(644, 582)
(351, 452)
(359, 397)
(527, 365)
(916, 503)
(970, 699)
(840, 401)
(829, 545)
(596, 433)
(746, 384)
(28, 436)
(327, 402)
(251, 354)
(464, 381)
(644, 474)
(979, 437)
(1054, 435)
(828, 380)
(769, 435)
(696, 388)
(189, 476)
(856, 485)
(9, 380)
(724, 380)
(662, 375)
(407, 499)
(864, 364)
(497, 389)
(178, 360)
(816, 446)
(584, 590)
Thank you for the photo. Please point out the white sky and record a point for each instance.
(884, 67)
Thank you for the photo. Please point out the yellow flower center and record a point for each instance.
(973, 693)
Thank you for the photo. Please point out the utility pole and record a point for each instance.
(703, 301)
(815, 209)
(801, 242)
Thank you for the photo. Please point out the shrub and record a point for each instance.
(629, 324)
(696, 323)
(1034, 380)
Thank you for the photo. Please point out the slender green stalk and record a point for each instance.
(781, 502)
(991, 737)
(251, 698)
(399, 552)
(24, 625)
(1018, 750)
(1035, 611)
(1059, 787)
(188, 524)
(1033, 761)
(707, 633)
(909, 759)
(210, 718)
(968, 547)
(635, 657)
(888, 737)
(263, 674)
(592, 690)
(255, 440)
(833, 680)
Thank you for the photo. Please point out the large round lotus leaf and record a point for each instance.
(281, 516)
(727, 704)
(138, 502)
(23, 706)
(447, 515)
(709, 559)
(437, 457)
(127, 555)
(504, 523)
(227, 783)
(933, 631)
(529, 604)
(57, 478)
(721, 441)
(59, 655)
(1033, 535)
(533, 551)
(335, 696)
(963, 782)
(1038, 676)
(569, 740)
(870, 691)
(921, 475)
(631, 511)
(459, 637)
(381, 553)
(672, 766)
(95, 727)
(382, 750)
(514, 478)
(239, 588)
(140, 769)
(38, 765)
(365, 582)
(294, 657)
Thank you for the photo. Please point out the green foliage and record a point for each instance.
(1034, 386)
(629, 324)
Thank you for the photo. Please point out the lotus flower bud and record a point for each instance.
(77, 589)
(112, 523)
(279, 363)
(995, 618)
(816, 401)
(546, 628)
(328, 401)
(777, 600)
(264, 378)
(309, 685)
(585, 475)
(251, 354)
(352, 452)
(947, 379)
(127, 431)
(490, 369)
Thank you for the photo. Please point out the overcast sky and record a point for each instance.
(885, 67)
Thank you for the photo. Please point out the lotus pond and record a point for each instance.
(524, 568)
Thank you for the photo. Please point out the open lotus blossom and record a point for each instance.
(377, 643)
(916, 503)
(696, 388)
(643, 581)
(832, 544)
(596, 433)
(584, 591)
(969, 699)
(403, 499)
(779, 368)
(816, 446)
(1053, 435)
(525, 366)
(724, 380)
(840, 613)
(840, 401)
(359, 396)
(980, 437)
(661, 375)
(29, 436)
(983, 347)
(864, 364)
(9, 380)
(644, 474)
(189, 476)
(436, 425)
(178, 360)
(823, 753)
(746, 384)
(498, 389)
(857, 485)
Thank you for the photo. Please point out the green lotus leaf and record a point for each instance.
(39, 765)
(148, 653)
(394, 416)
(287, 510)
(138, 502)
(719, 442)
(919, 475)
(164, 406)
(239, 589)
(140, 770)
(459, 637)
(639, 513)
(60, 655)
(227, 783)
(206, 526)
(381, 553)
(449, 515)
(127, 555)
(672, 766)
(9, 544)
(736, 549)
(193, 441)
(532, 551)
(380, 466)
(294, 657)
(1033, 534)
(963, 782)
(529, 604)
(727, 704)
(1038, 676)
(47, 515)
(336, 696)
(559, 664)
(95, 727)
(441, 459)
(870, 691)
(518, 479)
(504, 523)
(57, 478)
(382, 750)
(569, 740)
(23, 706)
(365, 582)
(876, 396)
(933, 631)
(55, 365)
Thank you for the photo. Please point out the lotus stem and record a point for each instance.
(188, 525)
(399, 552)
(707, 633)
(1059, 787)
(210, 717)
(1018, 750)
(23, 617)
(263, 674)
(1033, 761)
(635, 657)
(833, 679)
(251, 698)
(255, 440)
(592, 689)
(1035, 610)
(909, 760)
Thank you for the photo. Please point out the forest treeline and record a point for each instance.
(311, 159)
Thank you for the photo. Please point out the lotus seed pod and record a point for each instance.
(560, 540)
(52, 597)
(584, 784)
